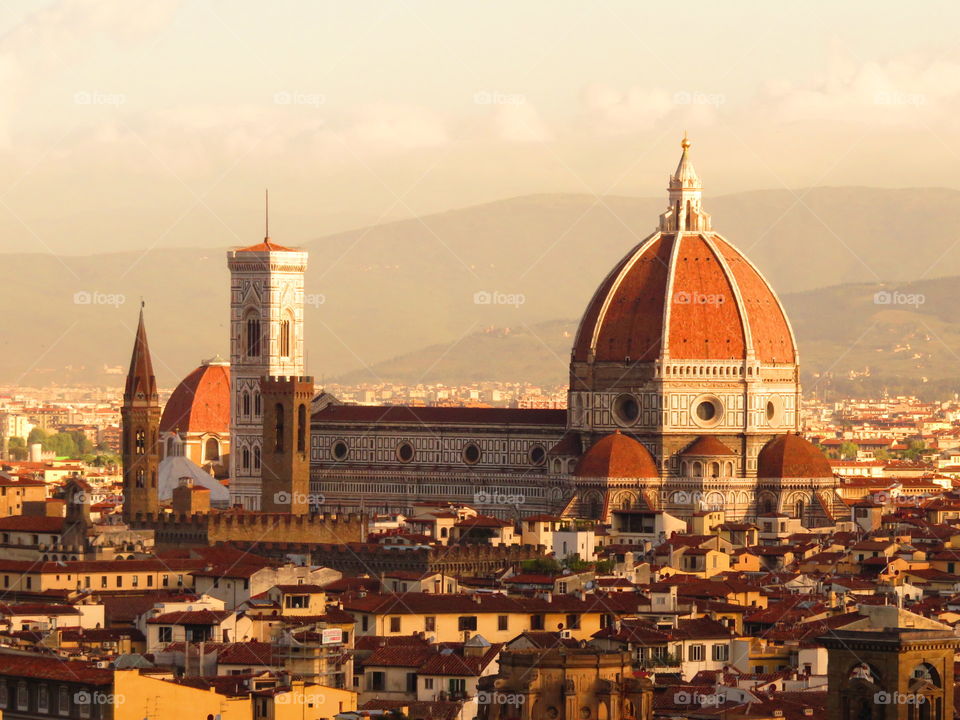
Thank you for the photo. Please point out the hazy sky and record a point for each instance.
(126, 125)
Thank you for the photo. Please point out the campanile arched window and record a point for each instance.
(302, 428)
(278, 426)
(285, 338)
(253, 335)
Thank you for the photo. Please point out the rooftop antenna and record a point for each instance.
(266, 214)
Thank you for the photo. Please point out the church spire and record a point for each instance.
(141, 382)
(684, 195)
(140, 424)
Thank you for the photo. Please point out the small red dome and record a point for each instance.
(201, 402)
(617, 456)
(707, 445)
(790, 456)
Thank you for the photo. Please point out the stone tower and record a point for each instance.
(285, 468)
(893, 665)
(140, 418)
(266, 338)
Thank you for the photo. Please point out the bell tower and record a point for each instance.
(285, 472)
(266, 339)
(140, 418)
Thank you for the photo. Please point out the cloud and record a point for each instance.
(65, 28)
(210, 138)
(610, 111)
(905, 91)
(520, 123)
(392, 128)
(55, 37)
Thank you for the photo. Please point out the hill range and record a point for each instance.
(494, 291)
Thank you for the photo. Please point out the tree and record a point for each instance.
(73, 443)
(849, 450)
(17, 448)
(604, 567)
(915, 448)
(574, 563)
(541, 566)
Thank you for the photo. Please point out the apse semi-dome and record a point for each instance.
(201, 402)
(685, 293)
(791, 456)
(617, 456)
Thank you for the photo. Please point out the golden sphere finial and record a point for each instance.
(685, 143)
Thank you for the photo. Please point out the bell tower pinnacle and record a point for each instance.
(140, 416)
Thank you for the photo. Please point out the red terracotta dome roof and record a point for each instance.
(201, 402)
(690, 294)
(790, 456)
(266, 246)
(707, 445)
(721, 306)
(617, 456)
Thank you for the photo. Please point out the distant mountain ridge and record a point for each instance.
(391, 290)
(857, 338)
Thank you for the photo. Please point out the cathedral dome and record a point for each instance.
(790, 456)
(684, 293)
(201, 402)
(617, 456)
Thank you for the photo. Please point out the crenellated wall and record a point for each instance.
(253, 528)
